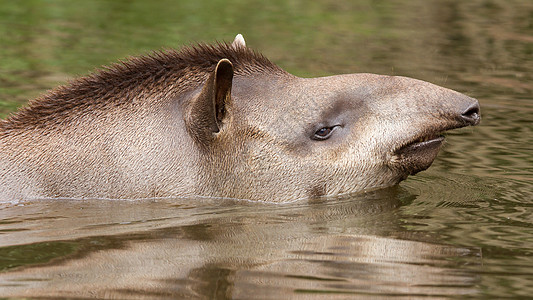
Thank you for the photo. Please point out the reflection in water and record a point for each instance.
(345, 246)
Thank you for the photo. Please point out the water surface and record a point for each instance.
(463, 228)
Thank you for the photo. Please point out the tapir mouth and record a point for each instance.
(418, 153)
(421, 144)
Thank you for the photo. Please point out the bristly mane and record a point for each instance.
(163, 74)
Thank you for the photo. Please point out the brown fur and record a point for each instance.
(166, 72)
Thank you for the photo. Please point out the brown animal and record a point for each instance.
(223, 121)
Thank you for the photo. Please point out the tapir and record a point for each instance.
(223, 121)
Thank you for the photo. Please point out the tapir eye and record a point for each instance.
(324, 133)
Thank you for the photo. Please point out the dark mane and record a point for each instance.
(162, 73)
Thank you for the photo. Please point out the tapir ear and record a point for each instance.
(238, 41)
(207, 111)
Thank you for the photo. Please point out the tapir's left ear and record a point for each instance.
(207, 111)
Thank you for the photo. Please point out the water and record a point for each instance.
(463, 228)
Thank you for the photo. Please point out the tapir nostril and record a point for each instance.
(471, 114)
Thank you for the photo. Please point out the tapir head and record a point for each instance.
(278, 137)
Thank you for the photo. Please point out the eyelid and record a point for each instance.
(322, 138)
